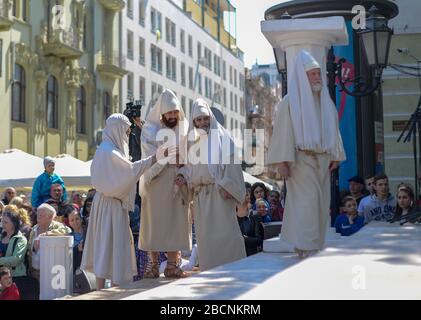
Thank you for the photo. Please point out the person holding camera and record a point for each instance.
(109, 250)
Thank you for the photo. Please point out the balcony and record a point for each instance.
(113, 5)
(112, 65)
(6, 20)
(63, 43)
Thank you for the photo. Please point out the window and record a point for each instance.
(199, 51)
(107, 105)
(190, 46)
(183, 104)
(156, 57)
(156, 20)
(232, 123)
(85, 31)
(235, 78)
(15, 8)
(142, 89)
(224, 71)
(130, 8)
(217, 93)
(142, 12)
(230, 74)
(208, 58)
(190, 106)
(236, 103)
(81, 110)
(141, 51)
(170, 32)
(217, 65)
(199, 84)
(1, 57)
(191, 78)
(18, 94)
(129, 44)
(24, 10)
(242, 110)
(208, 88)
(183, 74)
(236, 124)
(171, 68)
(130, 86)
(52, 103)
(242, 82)
(231, 101)
(182, 42)
(225, 97)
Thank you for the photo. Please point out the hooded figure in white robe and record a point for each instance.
(165, 224)
(216, 187)
(109, 248)
(306, 139)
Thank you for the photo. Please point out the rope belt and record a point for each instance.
(198, 188)
(313, 154)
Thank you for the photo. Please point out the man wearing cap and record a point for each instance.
(356, 188)
(306, 146)
(165, 226)
(216, 186)
(42, 185)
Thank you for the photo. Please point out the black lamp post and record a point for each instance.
(376, 38)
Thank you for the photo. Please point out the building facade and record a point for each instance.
(401, 91)
(60, 67)
(263, 93)
(168, 45)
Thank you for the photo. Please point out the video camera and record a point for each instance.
(133, 110)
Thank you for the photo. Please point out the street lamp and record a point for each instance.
(281, 64)
(376, 38)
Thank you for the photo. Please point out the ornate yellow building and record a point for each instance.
(60, 68)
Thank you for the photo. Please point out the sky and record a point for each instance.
(249, 37)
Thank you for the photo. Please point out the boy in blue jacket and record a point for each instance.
(349, 222)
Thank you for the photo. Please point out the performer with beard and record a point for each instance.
(306, 146)
(216, 186)
(165, 224)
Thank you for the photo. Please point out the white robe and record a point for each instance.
(308, 187)
(109, 248)
(218, 234)
(165, 223)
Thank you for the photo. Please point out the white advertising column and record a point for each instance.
(56, 267)
(316, 35)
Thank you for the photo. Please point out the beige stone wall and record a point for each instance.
(43, 50)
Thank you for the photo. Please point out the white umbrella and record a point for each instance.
(19, 169)
(74, 172)
(251, 179)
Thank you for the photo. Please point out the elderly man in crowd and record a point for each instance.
(46, 226)
(63, 208)
(306, 146)
(164, 223)
(42, 185)
(217, 187)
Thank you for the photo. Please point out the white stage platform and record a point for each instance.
(381, 261)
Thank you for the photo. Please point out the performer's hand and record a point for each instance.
(226, 195)
(180, 181)
(333, 165)
(164, 155)
(284, 170)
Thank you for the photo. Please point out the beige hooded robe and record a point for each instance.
(109, 248)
